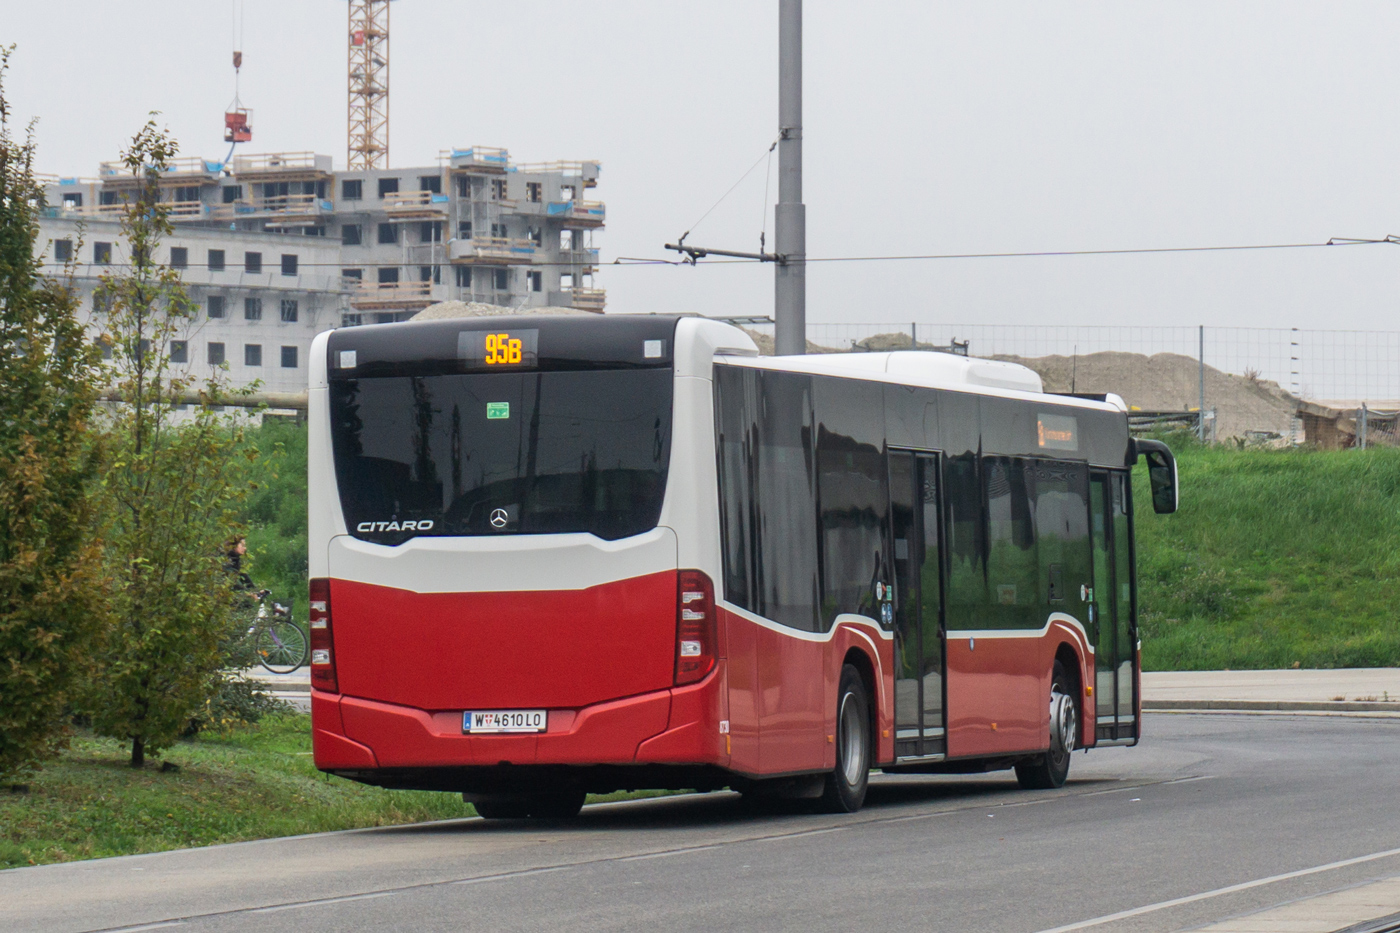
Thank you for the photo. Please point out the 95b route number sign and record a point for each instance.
(504, 720)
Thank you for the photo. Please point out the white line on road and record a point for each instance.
(318, 903)
(638, 858)
(1231, 889)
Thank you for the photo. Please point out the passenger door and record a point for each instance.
(918, 606)
(1115, 630)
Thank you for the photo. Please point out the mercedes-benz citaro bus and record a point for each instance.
(553, 556)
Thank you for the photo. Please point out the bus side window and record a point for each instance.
(967, 579)
(1012, 569)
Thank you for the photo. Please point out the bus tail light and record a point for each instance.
(695, 627)
(322, 644)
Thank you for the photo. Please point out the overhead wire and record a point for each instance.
(767, 154)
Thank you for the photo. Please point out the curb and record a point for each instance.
(1274, 706)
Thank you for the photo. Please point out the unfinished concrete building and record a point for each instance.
(280, 246)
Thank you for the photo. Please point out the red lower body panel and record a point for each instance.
(675, 726)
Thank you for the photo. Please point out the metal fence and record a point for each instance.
(1252, 376)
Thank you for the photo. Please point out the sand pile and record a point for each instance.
(1169, 382)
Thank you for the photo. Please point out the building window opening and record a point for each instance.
(464, 276)
(502, 277)
(431, 183)
(102, 254)
(289, 357)
(187, 193)
(179, 257)
(252, 309)
(352, 189)
(289, 264)
(536, 280)
(566, 192)
(350, 235)
(388, 234)
(252, 354)
(216, 307)
(498, 189)
(215, 354)
(232, 193)
(179, 351)
(252, 262)
(389, 276)
(533, 191)
(72, 201)
(388, 186)
(289, 310)
(62, 250)
(464, 230)
(216, 260)
(430, 231)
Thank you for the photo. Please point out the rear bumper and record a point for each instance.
(677, 726)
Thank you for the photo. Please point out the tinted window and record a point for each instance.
(503, 453)
(851, 484)
(967, 580)
(1013, 571)
(768, 492)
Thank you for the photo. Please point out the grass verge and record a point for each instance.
(252, 783)
(1276, 558)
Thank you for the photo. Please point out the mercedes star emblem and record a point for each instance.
(499, 518)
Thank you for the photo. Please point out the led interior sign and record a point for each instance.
(1057, 432)
(499, 349)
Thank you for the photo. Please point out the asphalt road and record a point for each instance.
(1207, 802)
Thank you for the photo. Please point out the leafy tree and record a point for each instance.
(49, 562)
(172, 487)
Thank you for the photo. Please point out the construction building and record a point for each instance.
(278, 247)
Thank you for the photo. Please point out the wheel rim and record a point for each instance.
(1064, 724)
(852, 740)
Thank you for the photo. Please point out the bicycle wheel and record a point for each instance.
(281, 646)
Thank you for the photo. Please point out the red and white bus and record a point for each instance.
(553, 556)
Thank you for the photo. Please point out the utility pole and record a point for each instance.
(790, 216)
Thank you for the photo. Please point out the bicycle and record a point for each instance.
(279, 643)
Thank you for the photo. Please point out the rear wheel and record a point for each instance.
(1050, 769)
(556, 805)
(845, 787)
(281, 646)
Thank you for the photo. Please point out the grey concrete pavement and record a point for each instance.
(1351, 690)
(1209, 809)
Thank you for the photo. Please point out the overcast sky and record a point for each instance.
(931, 127)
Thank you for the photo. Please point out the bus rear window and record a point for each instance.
(502, 453)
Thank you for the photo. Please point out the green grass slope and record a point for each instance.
(1275, 558)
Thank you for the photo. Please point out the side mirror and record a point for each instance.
(1161, 474)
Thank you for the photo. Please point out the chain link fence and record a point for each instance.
(1253, 378)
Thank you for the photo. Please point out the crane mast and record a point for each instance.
(367, 144)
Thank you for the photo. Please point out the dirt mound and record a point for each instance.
(1170, 382)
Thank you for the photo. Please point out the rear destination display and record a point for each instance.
(517, 348)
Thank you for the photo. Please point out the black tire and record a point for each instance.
(557, 805)
(1047, 771)
(846, 783)
(281, 646)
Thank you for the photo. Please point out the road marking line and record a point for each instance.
(319, 902)
(501, 877)
(638, 858)
(148, 926)
(1231, 889)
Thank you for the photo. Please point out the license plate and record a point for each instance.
(504, 720)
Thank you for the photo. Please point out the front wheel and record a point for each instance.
(844, 791)
(281, 646)
(1050, 769)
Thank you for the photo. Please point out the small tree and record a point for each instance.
(49, 562)
(171, 488)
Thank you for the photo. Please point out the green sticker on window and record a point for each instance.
(497, 410)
